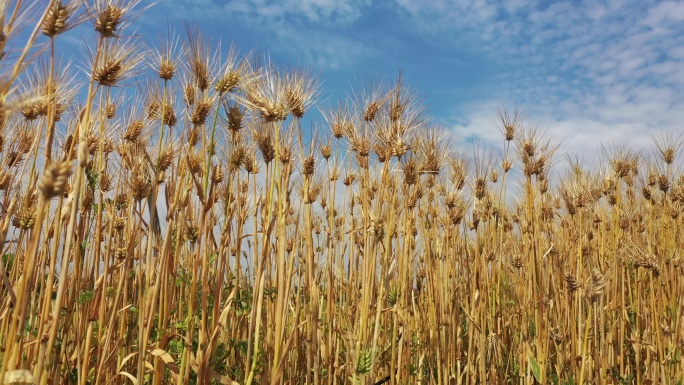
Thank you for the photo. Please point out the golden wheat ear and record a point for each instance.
(119, 60)
(63, 16)
(54, 179)
(110, 17)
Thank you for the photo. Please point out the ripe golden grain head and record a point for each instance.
(54, 179)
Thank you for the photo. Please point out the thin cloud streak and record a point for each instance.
(614, 68)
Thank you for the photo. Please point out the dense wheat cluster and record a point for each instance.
(167, 217)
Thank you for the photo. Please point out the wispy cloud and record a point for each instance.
(322, 50)
(590, 71)
(593, 71)
(310, 32)
(317, 11)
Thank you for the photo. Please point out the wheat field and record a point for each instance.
(169, 216)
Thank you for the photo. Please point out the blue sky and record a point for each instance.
(587, 71)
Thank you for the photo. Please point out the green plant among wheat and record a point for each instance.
(167, 216)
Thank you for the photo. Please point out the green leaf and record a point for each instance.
(212, 257)
(8, 261)
(535, 369)
(93, 178)
(86, 296)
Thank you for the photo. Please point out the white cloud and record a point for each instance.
(316, 11)
(311, 32)
(613, 68)
(667, 11)
(577, 135)
(322, 50)
(591, 71)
